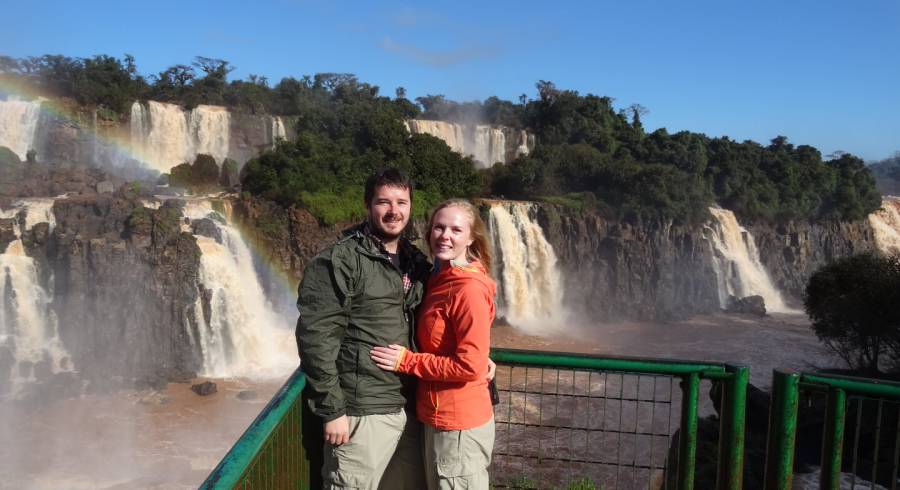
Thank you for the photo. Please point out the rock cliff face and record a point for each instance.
(792, 252)
(117, 146)
(288, 237)
(616, 271)
(123, 286)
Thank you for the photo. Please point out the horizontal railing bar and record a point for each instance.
(232, 467)
(583, 429)
(852, 385)
(619, 364)
(581, 461)
(593, 397)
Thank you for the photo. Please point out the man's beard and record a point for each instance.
(378, 227)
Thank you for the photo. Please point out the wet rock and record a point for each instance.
(206, 227)
(205, 388)
(246, 395)
(751, 305)
(7, 232)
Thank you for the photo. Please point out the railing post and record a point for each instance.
(730, 475)
(687, 451)
(782, 430)
(833, 440)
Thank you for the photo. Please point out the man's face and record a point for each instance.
(389, 211)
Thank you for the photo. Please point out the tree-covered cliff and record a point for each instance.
(588, 153)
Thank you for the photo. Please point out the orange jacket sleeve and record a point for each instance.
(469, 315)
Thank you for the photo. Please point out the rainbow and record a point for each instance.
(117, 140)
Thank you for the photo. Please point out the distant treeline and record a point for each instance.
(588, 155)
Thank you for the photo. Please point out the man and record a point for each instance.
(358, 293)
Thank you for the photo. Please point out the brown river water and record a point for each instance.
(172, 439)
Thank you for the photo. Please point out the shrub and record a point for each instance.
(853, 307)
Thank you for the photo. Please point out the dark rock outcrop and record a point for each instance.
(206, 227)
(205, 388)
(44, 180)
(616, 271)
(792, 252)
(7, 232)
(125, 288)
(659, 271)
(750, 305)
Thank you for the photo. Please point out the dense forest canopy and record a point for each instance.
(887, 175)
(588, 154)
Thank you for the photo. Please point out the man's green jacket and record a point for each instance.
(351, 299)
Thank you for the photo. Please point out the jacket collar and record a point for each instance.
(372, 245)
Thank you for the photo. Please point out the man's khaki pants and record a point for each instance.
(383, 449)
(458, 459)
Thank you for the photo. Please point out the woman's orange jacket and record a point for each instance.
(453, 333)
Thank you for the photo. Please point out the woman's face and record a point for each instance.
(451, 234)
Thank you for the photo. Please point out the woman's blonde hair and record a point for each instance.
(480, 249)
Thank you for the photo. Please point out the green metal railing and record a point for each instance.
(270, 454)
(564, 418)
(859, 413)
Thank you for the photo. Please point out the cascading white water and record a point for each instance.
(210, 130)
(531, 289)
(885, 223)
(28, 327)
(18, 123)
(736, 262)
(489, 145)
(165, 135)
(159, 135)
(526, 142)
(245, 337)
(278, 131)
(486, 144)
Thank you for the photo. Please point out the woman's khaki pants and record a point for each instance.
(458, 459)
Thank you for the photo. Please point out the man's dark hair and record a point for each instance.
(389, 176)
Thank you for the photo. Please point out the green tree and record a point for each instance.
(853, 307)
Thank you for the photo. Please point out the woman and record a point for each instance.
(453, 333)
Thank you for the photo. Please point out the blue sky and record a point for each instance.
(820, 72)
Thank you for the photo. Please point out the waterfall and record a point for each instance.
(489, 145)
(18, 122)
(29, 339)
(210, 128)
(525, 142)
(165, 135)
(531, 289)
(486, 144)
(244, 336)
(736, 262)
(885, 223)
(278, 131)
